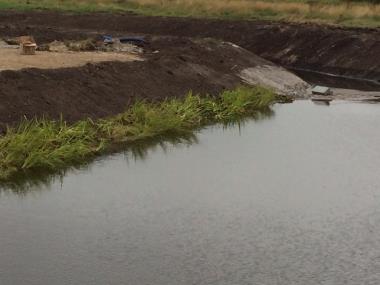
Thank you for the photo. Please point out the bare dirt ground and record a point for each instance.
(343, 51)
(171, 68)
(91, 84)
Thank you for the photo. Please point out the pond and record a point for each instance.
(290, 199)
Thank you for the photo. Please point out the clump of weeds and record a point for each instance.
(43, 144)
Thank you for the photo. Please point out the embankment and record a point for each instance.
(342, 51)
(171, 68)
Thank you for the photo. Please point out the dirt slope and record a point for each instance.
(171, 68)
(353, 52)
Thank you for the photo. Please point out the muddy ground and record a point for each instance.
(173, 63)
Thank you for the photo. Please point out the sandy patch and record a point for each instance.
(11, 59)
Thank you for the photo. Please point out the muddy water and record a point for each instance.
(294, 199)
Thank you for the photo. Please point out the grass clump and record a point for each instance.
(47, 145)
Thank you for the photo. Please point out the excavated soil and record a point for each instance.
(173, 62)
(342, 51)
(171, 67)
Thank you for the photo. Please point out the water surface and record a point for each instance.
(294, 199)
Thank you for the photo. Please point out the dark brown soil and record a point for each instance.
(180, 65)
(343, 51)
(104, 89)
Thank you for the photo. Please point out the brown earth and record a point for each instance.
(173, 64)
(343, 51)
(104, 89)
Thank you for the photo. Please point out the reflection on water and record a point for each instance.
(35, 181)
(42, 180)
(290, 200)
(322, 102)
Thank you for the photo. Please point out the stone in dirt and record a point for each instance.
(321, 90)
(277, 78)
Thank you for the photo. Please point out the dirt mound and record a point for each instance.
(308, 46)
(171, 68)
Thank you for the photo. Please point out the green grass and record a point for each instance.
(340, 12)
(45, 145)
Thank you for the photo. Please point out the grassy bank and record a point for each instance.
(44, 145)
(350, 13)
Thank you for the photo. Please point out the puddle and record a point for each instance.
(293, 199)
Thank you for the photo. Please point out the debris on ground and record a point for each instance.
(84, 45)
(11, 41)
(124, 44)
(107, 45)
(139, 41)
(16, 41)
(4, 44)
(28, 48)
(119, 47)
(78, 46)
(107, 39)
(57, 46)
(321, 90)
(26, 40)
(26, 43)
(136, 40)
(43, 47)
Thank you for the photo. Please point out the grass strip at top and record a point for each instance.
(339, 12)
(46, 145)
